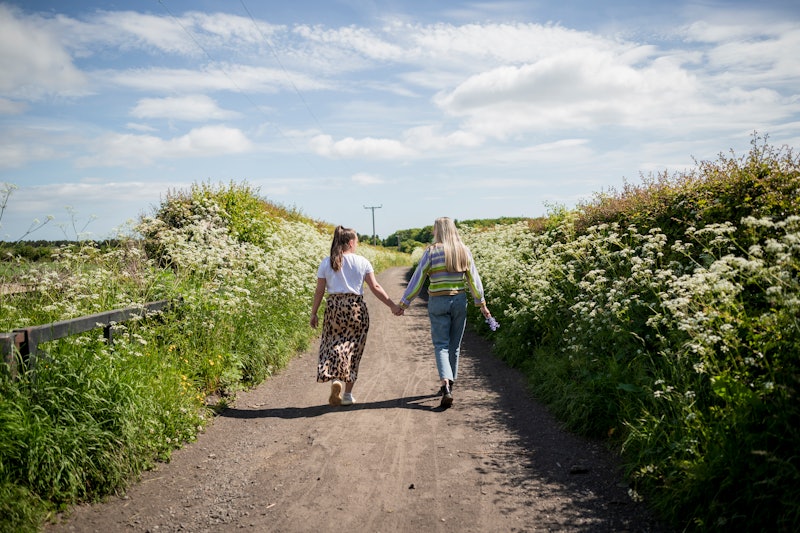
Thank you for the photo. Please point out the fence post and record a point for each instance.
(8, 352)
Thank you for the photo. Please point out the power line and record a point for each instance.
(278, 59)
(249, 99)
(299, 95)
(233, 82)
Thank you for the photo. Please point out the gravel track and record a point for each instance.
(282, 460)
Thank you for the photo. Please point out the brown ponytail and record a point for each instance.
(341, 241)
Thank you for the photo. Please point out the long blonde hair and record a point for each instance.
(341, 242)
(456, 255)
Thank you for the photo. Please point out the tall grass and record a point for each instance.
(670, 328)
(90, 417)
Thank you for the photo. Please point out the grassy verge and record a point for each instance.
(89, 418)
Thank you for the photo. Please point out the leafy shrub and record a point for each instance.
(763, 183)
(671, 327)
(89, 417)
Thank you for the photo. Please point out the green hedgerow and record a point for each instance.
(84, 418)
(670, 325)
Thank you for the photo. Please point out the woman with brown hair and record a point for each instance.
(346, 321)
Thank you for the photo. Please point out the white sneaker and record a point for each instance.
(348, 399)
(336, 393)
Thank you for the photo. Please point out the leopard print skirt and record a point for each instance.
(344, 335)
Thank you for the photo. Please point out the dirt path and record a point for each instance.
(282, 460)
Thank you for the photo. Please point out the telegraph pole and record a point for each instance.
(373, 207)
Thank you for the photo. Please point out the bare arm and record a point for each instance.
(319, 292)
(378, 291)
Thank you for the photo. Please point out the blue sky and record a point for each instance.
(426, 109)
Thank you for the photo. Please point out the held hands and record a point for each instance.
(396, 309)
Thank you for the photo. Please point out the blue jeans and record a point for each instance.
(448, 316)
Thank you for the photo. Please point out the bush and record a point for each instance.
(88, 418)
(669, 325)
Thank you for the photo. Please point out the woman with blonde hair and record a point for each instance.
(450, 270)
(346, 321)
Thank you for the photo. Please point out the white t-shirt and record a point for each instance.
(349, 278)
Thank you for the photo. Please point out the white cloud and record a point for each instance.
(519, 104)
(138, 30)
(429, 139)
(11, 107)
(134, 150)
(32, 61)
(584, 88)
(195, 107)
(99, 190)
(19, 154)
(763, 59)
(368, 147)
(236, 78)
(192, 34)
(482, 45)
(362, 178)
(558, 80)
(360, 41)
(498, 182)
(577, 88)
(139, 127)
(553, 152)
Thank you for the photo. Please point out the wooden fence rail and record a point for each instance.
(22, 344)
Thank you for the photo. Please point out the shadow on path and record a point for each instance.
(409, 402)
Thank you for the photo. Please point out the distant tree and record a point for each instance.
(366, 238)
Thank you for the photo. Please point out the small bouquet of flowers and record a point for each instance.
(493, 324)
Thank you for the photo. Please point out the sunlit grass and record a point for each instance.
(88, 417)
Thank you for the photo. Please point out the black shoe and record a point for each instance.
(447, 397)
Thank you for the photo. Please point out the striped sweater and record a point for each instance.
(442, 282)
